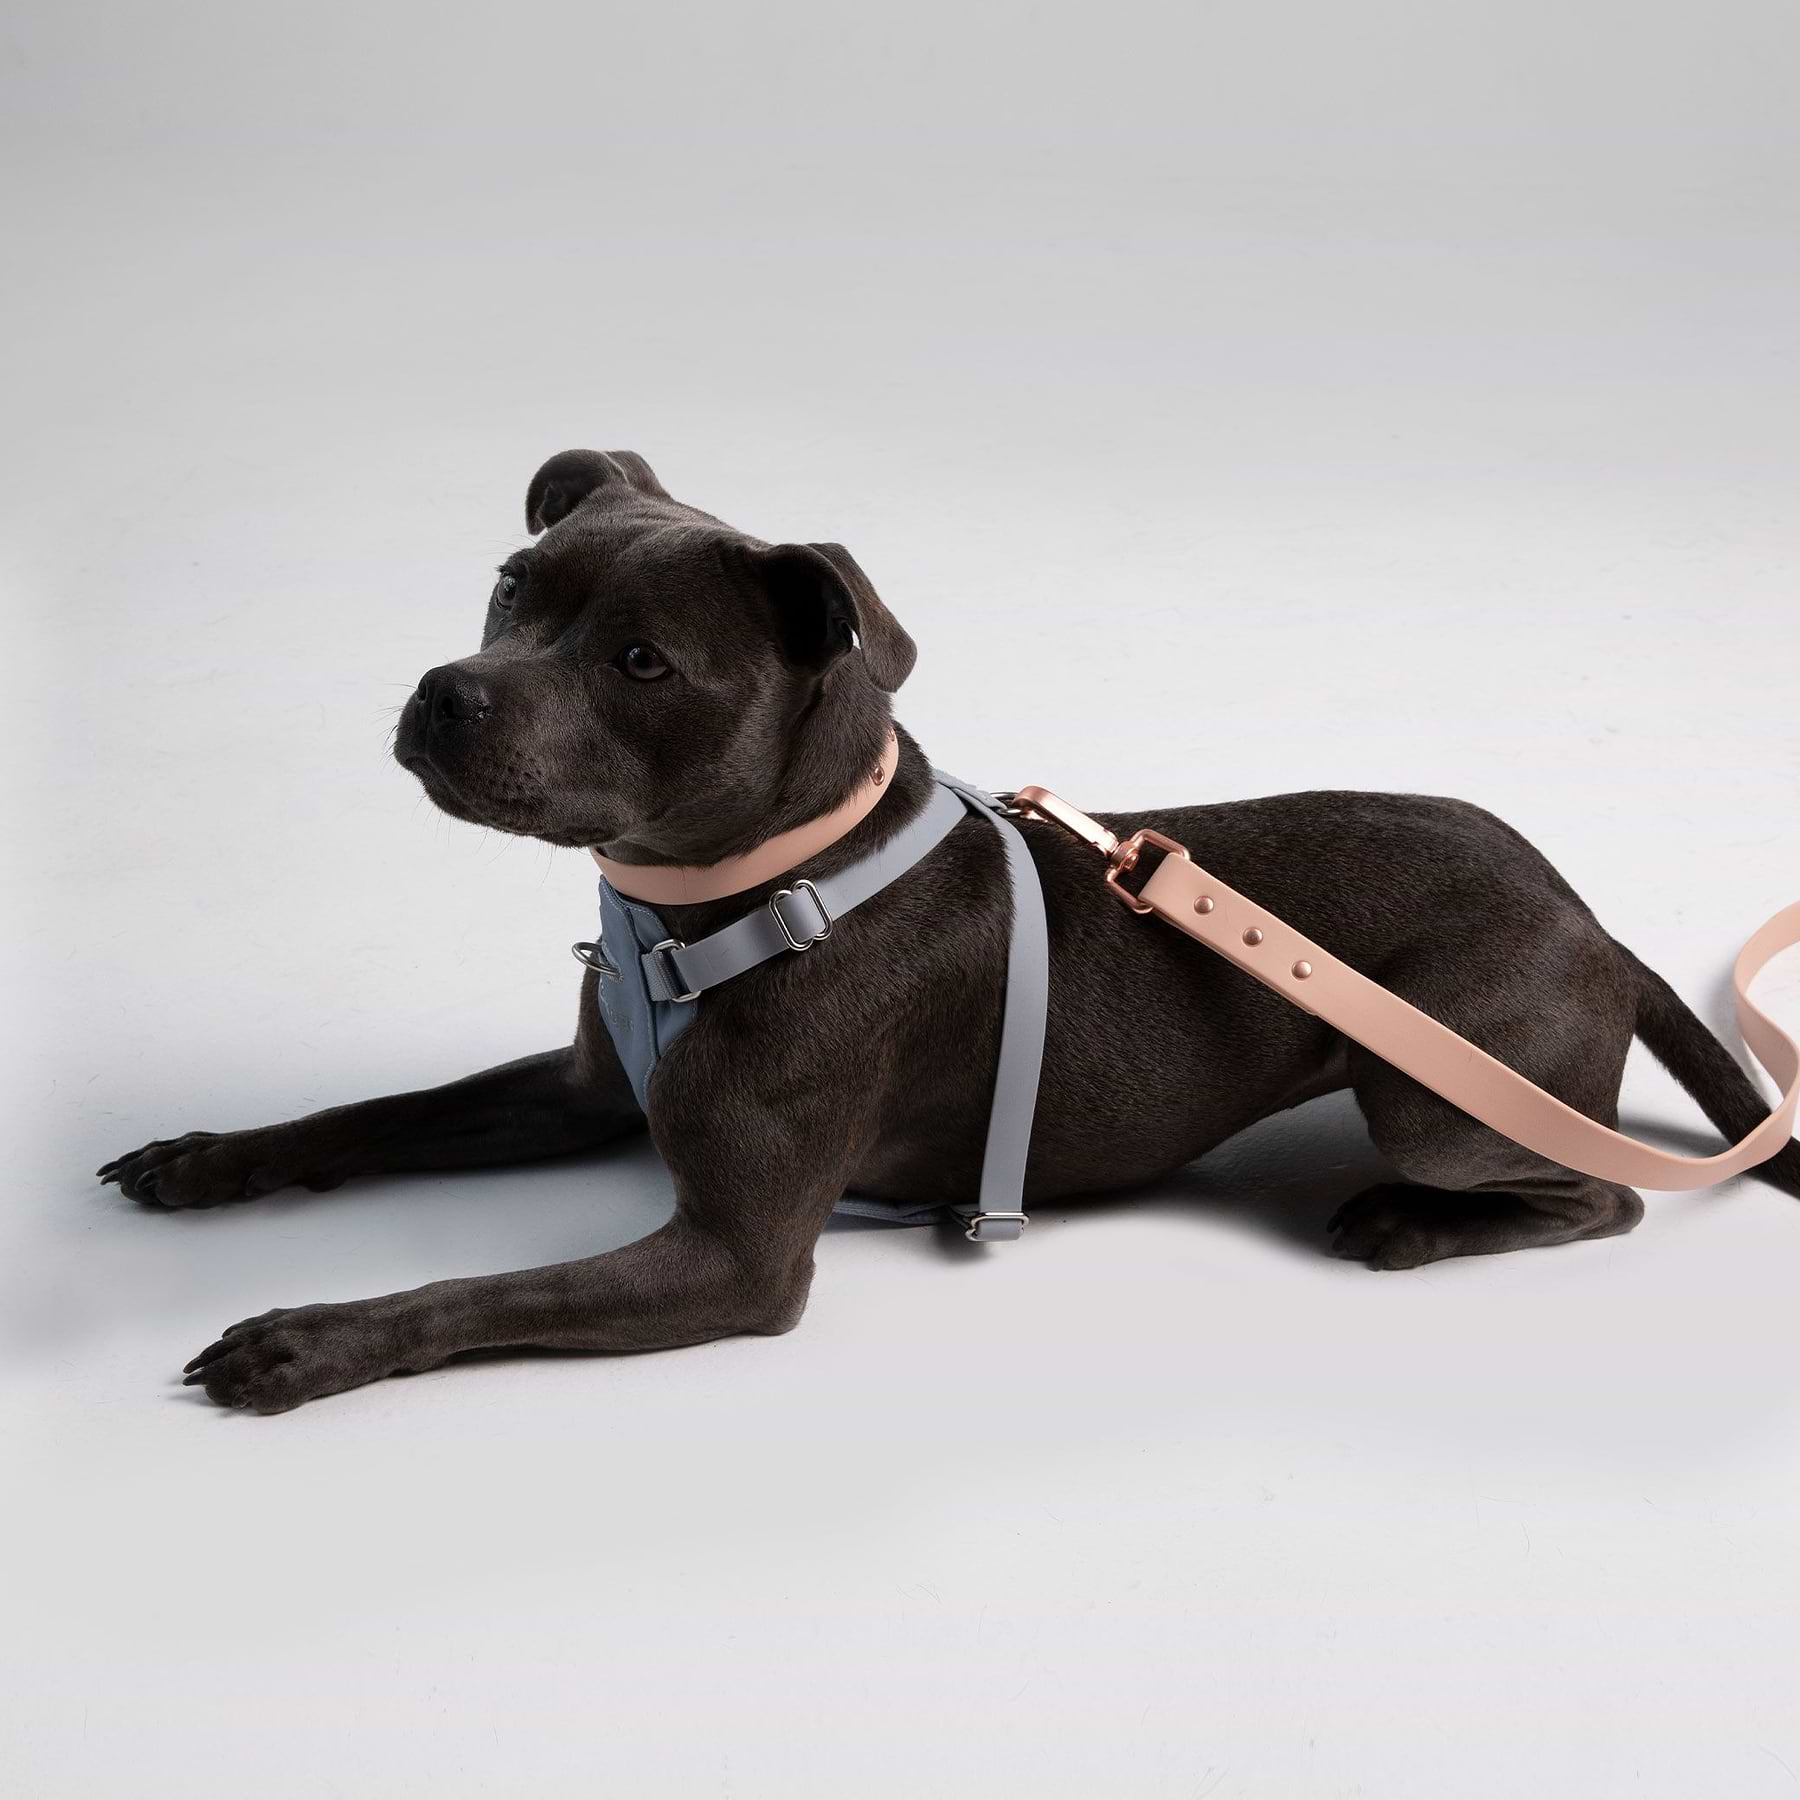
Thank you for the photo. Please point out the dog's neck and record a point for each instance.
(671, 884)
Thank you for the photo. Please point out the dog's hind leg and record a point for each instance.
(1545, 990)
(1399, 1224)
(1467, 1191)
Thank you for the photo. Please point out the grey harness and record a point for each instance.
(651, 984)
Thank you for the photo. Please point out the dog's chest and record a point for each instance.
(651, 986)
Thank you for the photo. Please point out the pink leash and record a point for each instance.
(1184, 895)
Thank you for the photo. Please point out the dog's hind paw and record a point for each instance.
(1383, 1228)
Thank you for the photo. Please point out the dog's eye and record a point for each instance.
(642, 662)
(504, 590)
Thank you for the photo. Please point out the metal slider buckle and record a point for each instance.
(977, 1220)
(780, 918)
(658, 950)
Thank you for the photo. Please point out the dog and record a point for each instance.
(659, 684)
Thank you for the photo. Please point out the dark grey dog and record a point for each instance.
(655, 682)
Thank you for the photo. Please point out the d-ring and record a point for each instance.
(593, 956)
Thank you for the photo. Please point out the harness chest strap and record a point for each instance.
(1182, 894)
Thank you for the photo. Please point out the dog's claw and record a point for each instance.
(261, 1318)
(211, 1353)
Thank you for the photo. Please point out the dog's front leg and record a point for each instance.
(680, 1285)
(548, 1105)
(752, 1198)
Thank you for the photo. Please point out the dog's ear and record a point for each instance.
(571, 475)
(826, 605)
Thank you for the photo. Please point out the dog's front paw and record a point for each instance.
(206, 1168)
(281, 1358)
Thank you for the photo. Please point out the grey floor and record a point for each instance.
(1320, 397)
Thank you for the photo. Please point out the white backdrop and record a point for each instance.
(1293, 396)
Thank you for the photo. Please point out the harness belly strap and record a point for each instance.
(651, 983)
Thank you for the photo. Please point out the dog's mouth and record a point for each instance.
(511, 798)
(507, 798)
(490, 780)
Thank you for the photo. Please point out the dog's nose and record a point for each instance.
(452, 693)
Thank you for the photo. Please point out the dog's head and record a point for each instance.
(651, 680)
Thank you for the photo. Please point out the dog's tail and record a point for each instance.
(1708, 1071)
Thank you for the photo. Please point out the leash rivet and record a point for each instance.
(1253, 936)
(1204, 904)
(1302, 970)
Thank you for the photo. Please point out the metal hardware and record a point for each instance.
(593, 956)
(1121, 858)
(1124, 859)
(775, 912)
(977, 1220)
(675, 944)
(1037, 802)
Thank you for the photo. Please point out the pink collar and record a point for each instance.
(666, 884)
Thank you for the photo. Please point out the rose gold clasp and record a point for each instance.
(1121, 858)
(1125, 859)
(1046, 805)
